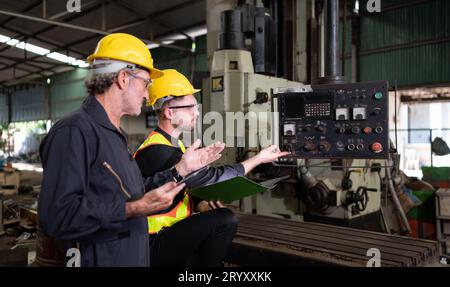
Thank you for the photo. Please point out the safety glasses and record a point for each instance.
(148, 82)
(183, 107)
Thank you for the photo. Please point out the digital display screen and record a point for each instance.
(308, 105)
(294, 107)
(318, 105)
(318, 110)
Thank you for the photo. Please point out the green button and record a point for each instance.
(378, 95)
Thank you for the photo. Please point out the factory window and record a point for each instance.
(425, 122)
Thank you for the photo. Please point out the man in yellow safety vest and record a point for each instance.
(177, 237)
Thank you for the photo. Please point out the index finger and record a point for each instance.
(283, 153)
(171, 187)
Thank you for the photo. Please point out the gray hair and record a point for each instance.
(99, 83)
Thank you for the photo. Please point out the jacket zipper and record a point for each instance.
(108, 166)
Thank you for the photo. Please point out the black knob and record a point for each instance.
(288, 147)
(341, 130)
(261, 98)
(376, 111)
(378, 130)
(309, 147)
(356, 130)
(321, 128)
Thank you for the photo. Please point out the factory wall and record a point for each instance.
(3, 108)
(409, 41)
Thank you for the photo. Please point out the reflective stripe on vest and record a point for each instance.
(183, 209)
(159, 221)
(156, 138)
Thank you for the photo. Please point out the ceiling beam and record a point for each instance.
(176, 7)
(52, 22)
(50, 62)
(24, 36)
(155, 14)
(31, 7)
(18, 68)
(71, 17)
(151, 17)
(83, 7)
(78, 27)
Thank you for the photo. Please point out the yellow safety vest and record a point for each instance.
(183, 209)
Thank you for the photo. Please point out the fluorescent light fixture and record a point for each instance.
(170, 39)
(43, 52)
(61, 57)
(80, 63)
(21, 45)
(174, 37)
(356, 8)
(36, 49)
(12, 42)
(196, 32)
(152, 46)
(4, 39)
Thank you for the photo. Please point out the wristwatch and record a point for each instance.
(175, 174)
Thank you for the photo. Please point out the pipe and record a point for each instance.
(332, 63)
(404, 221)
(332, 71)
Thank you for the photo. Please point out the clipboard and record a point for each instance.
(233, 189)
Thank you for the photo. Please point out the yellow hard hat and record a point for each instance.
(126, 48)
(172, 84)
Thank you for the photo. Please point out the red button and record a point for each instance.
(367, 130)
(376, 147)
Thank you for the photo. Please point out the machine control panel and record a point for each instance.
(335, 121)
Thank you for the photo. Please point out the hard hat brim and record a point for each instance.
(155, 73)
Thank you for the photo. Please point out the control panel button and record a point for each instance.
(341, 130)
(378, 130)
(378, 95)
(288, 148)
(367, 130)
(359, 147)
(324, 146)
(351, 147)
(309, 146)
(376, 147)
(356, 130)
(321, 128)
(376, 111)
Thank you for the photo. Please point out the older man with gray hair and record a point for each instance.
(93, 196)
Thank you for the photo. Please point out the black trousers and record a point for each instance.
(199, 240)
